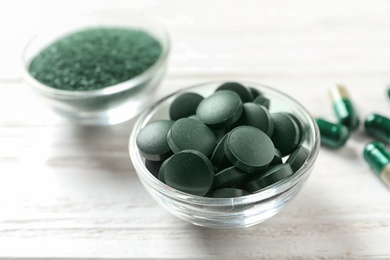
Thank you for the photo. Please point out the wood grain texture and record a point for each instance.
(70, 192)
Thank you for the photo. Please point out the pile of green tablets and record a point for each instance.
(227, 144)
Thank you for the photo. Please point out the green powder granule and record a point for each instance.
(95, 58)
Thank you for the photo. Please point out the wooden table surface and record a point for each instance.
(70, 192)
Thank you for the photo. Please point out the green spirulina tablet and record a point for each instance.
(184, 105)
(257, 116)
(153, 167)
(277, 158)
(298, 122)
(230, 178)
(219, 133)
(194, 117)
(263, 101)
(152, 140)
(249, 149)
(271, 176)
(161, 175)
(218, 157)
(286, 136)
(189, 171)
(255, 92)
(220, 110)
(187, 133)
(228, 193)
(298, 158)
(244, 93)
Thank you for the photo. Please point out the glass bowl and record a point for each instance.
(109, 105)
(228, 212)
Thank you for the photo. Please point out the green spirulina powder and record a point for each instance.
(95, 58)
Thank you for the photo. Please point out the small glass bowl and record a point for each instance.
(228, 212)
(109, 105)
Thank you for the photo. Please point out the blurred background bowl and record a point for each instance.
(109, 105)
(228, 212)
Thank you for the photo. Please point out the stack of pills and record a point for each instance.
(335, 135)
(225, 145)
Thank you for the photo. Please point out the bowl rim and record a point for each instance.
(109, 90)
(264, 194)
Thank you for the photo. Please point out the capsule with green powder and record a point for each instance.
(344, 108)
(333, 135)
(378, 157)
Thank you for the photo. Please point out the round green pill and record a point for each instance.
(263, 101)
(230, 178)
(194, 117)
(152, 140)
(332, 135)
(249, 149)
(286, 136)
(184, 105)
(298, 122)
(189, 171)
(244, 93)
(220, 110)
(187, 133)
(257, 116)
(277, 158)
(219, 134)
(153, 167)
(255, 92)
(271, 176)
(298, 158)
(229, 193)
(378, 126)
(218, 157)
(161, 175)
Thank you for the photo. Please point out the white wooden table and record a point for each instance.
(70, 192)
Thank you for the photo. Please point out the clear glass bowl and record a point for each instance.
(110, 105)
(228, 212)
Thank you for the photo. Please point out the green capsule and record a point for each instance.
(332, 135)
(343, 107)
(388, 92)
(378, 157)
(378, 126)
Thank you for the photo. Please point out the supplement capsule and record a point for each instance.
(378, 126)
(343, 107)
(388, 92)
(378, 157)
(332, 135)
